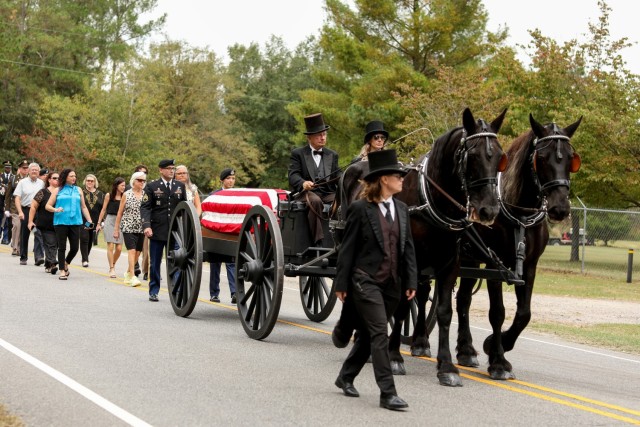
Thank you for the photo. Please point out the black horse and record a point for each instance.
(449, 188)
(534, 187)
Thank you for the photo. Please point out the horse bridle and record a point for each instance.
(539, 213)
(544, 188)
(461, 154)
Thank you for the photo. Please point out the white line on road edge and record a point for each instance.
(567, 346)
(78, 388)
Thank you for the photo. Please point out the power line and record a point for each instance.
(156, 83)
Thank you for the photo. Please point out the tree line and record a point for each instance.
(81, 89)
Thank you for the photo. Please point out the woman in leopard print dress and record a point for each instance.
(129, 222)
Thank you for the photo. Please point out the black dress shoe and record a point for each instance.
(393, 402)
(39, 262)
(338, 338)
(153, 297)
(347, 388)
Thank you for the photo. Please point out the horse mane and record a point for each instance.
(439, 151)
(513, 178)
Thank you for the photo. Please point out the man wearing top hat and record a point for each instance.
(5, 224)
(376, 266)
(10, 209)
(159, 200)
(314, 172)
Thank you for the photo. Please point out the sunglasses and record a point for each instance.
(380, 137)
(90, 180)
(141, 180)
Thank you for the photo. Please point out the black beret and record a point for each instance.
(166, 163)
(227, 173)
(44, 171)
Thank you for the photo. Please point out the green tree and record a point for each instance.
(377, 45)
(260, 85)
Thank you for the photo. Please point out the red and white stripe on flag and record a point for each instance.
(224, 211)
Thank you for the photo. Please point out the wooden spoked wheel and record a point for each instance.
(317, 296)
(184, 259)
(259, 272)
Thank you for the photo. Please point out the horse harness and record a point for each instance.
(428, 209)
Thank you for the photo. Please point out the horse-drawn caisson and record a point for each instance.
(463, 213)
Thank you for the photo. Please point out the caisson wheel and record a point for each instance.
(184, 259)
(259, 272)
(317, 296)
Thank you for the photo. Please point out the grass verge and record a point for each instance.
(619, 337)
(8, 420)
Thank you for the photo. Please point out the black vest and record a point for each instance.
(388, 269)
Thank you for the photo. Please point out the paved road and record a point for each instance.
(90, 351)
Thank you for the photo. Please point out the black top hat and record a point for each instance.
(23, 164)
(383, 162)
(373, 128)
(227, 173)
(166, 163)
(315, 124)
(7, 164)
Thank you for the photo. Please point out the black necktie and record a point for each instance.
(168, 184)
(388, 214)
(317, 152)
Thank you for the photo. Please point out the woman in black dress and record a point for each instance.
(93, 199)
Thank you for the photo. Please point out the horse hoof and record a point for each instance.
(502, 375)
(470, 361)
(420, 352)
(397, 368)
(450, 379)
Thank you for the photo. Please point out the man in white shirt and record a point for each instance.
(24, 193)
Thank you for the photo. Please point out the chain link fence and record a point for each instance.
(595, 241)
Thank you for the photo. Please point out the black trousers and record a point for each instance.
(64, 233)
(50, 248)
(24, 234)
(86, 243)
(375, 304)
(315, 202)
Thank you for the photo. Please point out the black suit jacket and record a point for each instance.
(362, 246)
(302, 167)
(158, 204)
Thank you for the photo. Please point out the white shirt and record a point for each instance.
(392, 207)
(316, 157)
(26, 189)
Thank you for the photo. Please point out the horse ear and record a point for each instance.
(536, 127)
(496, 124)
(468, 122)
(570, 130)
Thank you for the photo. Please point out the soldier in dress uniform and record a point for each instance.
(5, 225)
(158, 203)
(10, 209)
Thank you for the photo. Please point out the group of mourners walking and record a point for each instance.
(376, 264)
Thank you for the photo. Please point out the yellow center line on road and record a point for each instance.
(506, 385)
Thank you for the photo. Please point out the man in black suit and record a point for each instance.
(376, 265)
(158, 203)
(310, 169)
